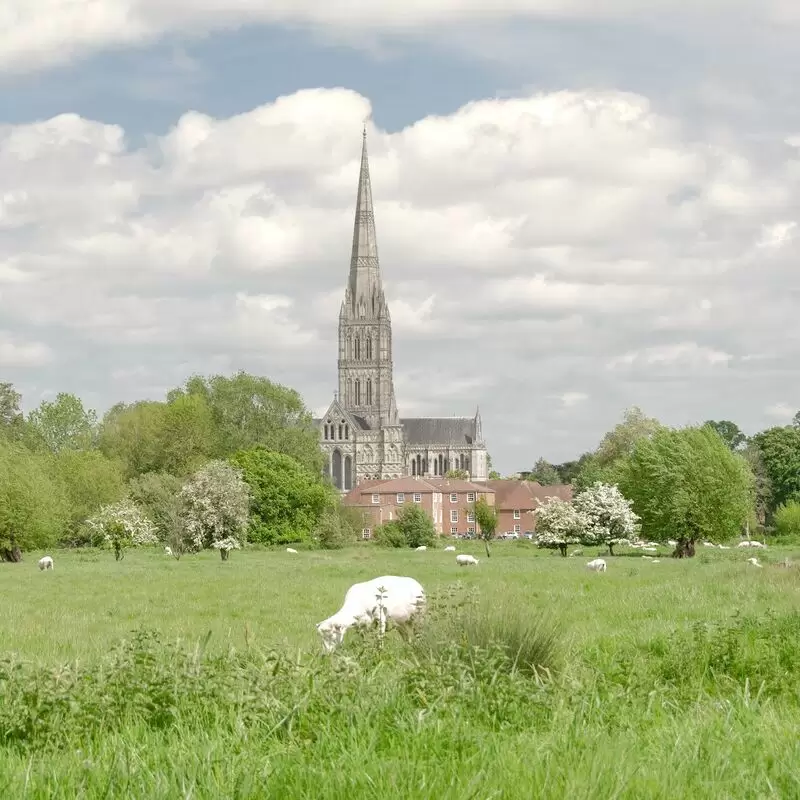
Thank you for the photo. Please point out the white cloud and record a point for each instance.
(526, 244)
(17, 353)
(781, 411)
(45, 32)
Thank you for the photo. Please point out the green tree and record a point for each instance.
(288, 499)
(685, 485)
(11, 419)
(569, 470)
(158, 495)
(120, 526)
(763, 484)
(494, 475)
(339, 526)
(251, 411)
(457, 474)
(545, 473)
(486, 518)
(729, 432)
(416, 526)
(33, 507)
(787, 522)
(63, 424)
(90, 480)
(131, 433)
(779, 449)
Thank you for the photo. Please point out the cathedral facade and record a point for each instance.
(361, 433)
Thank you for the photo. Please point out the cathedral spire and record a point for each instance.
(365, 276)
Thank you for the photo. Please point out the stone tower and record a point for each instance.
(366, 387)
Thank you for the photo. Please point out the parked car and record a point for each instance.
(528, 534)
(511, 535)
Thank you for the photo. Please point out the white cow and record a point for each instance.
(464, 560)
(46, 562)
(389, 597)
(291, 550)
(597, 564)
(449, 549)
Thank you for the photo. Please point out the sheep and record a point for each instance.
(576, 553)
(708, 544)
(672, 543)
(465, 561)
(400, 600)
(167, 550)
(46, 562)
(723, 547)
(421, 548)
(597, 564)
(656, 561)
(750, 543)
(291, 550)
(754, 562)
(449, 549)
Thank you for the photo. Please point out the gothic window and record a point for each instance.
(348, 473)
(326, 431)
(357, 398)
(414, 467)
(357, 355)
(336, 469)
(340, 432)
(369, 390)
(346, 431)
(369, 347)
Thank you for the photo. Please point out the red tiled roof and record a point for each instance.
(446, 485)
(523, 495)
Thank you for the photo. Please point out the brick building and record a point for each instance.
(515, 500)
(448, 502)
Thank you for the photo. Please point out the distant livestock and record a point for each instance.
(449, 549)
(46, 562)
(597, 564)
(167, 551)
(290, 550)
(750, 543)
(755, 562)
(464, 560)
(389, 597)
(421, 548)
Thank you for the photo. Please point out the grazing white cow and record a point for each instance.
(597, 564)
(421, 548)
(400, 600)
(46, 562)
(463, 560)
(755, 562)
(291, 550)
(449, 549)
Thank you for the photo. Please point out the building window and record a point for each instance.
(454, 529)
(369, 347)
(401, 498)
(517, 528)
(357, 392)
(376, 498)
(346, 431)
(366, 534)
(516, 513)
(453, 515)
(470, 497)
(470, 516)
(417, 497)
(453, 497)
(470, 530)
(340, 431)
(358, 348)
(369, 391)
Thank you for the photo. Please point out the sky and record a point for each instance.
(580, 206)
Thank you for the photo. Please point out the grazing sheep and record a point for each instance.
(421, 548)
(291, 550)
(672, 543)
(449, 549)
(597, 564)
(167, 550)
(723, 547)
(650, 549)
(754, 562)
(576, 553)
(401, 599)
(464, 560)
(708, 544)
(46, 562)
(750, 543)
(656, 561)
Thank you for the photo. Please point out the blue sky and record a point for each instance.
(600, 207)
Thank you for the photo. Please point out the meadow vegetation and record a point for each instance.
(198, 678)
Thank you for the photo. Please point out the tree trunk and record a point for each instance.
(563, 549)
(610, 549)
(685, 549)
(486, 545)
(12, 554)
(223, 554)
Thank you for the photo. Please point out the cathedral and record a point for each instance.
(362, 434)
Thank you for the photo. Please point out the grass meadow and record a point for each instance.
(530, 677)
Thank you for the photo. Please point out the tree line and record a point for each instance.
(148, 471)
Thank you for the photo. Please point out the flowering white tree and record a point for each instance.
(122, 525)
(215, 508)
(558, 524)
(610, 516)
